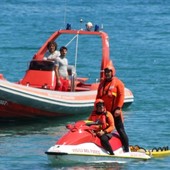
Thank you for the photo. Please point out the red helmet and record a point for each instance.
(110, 67)
(99, 102)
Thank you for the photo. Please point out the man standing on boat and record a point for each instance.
(111, 90)
(62, 78)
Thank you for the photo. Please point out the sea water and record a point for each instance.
(139, 34)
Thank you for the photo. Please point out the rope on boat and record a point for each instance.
(76, 52)
(137, 148)
(65, 13)
(71, 40)
(159, 151)
(164, 148)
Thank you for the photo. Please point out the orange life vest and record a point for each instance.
(110, 93)
(102, 118)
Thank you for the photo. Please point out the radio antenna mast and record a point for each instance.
(65, 12)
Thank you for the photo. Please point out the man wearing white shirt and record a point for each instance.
(61, 70)
(52, 52)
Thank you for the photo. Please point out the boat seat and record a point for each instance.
(40, 74)
(39, 79)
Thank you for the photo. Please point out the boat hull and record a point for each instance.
(89, 153)
(74, 159)
(18, 101)
(64, 158)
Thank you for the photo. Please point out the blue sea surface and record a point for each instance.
(139, 34)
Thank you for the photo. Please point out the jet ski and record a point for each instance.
(81, 145)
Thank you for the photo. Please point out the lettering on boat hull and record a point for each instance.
(3, 102)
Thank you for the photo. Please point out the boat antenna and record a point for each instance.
(65, 12)
(81, 21)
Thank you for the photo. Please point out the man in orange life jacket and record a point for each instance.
(111, 90)
(106, 124)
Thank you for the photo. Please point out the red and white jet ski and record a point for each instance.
(81, 145)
